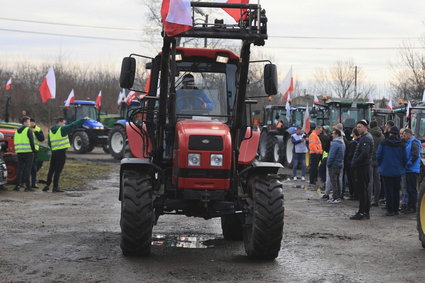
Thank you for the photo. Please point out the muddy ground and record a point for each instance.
(74, 236)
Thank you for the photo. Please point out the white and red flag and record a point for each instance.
(121, 97)
(369, 98)
(390, 104)
(99, 101)
(316, 99)
(234, 12)
(176, 16)
(70, 99)
(130, 97)
(306, 124)
(409, 106)
(48, 86)
(288, 108)
(288, 85)
(9, 84)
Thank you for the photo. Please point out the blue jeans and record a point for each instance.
(298, 158)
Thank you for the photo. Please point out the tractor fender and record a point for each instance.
(135, 141)
(120, 123)
(249, 146)
(137, 164)
(265, 167)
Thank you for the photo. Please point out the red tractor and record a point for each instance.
(195, 151)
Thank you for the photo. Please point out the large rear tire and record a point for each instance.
(266, 147)
(289, 150)
(117, 141)
(263, 228)
(81, 142)
(421, 214)
(232, 227)
(11, 161)
(137, 213)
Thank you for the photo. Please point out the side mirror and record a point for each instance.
(270, 79)
(128, 71)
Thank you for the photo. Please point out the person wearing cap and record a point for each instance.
(360, 164)
(413, 168)
(191, 98)
(391, 157)
(38, 138)
(25, 148)
(349, 153)
(375, 180)
(300, 150)
(335, 164)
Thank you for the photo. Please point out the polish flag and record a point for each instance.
(316, 99)
(70, 99)
(121, 97)
(409, 106)
(130, 97)
(176, 16)
(306, 124)
(288, 85)
(390, 104)
(235, 13)
(48, 86)
(370, 98)
(9, 84)
(99, 101)
(288, 108)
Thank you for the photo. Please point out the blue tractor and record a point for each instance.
(92, 133)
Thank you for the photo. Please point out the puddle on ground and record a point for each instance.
(188, 242)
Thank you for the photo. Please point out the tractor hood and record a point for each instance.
(92, 124)
(199, 127)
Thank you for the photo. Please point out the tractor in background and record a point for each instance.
(195, 160)
(397, 115)
(92, 133)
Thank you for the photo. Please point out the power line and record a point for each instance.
(343, 48)
(344, 38)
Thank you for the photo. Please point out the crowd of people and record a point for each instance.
(377, 165)
(27, 141)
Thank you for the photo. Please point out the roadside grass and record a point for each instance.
(76, 173)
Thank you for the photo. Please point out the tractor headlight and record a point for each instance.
(216, 160)
(194, 159)
(98, 128)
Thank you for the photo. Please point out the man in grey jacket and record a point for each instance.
(375, 180)
(335, 164)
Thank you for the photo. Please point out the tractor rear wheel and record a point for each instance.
(263, 228)
(232, 227)
(421, 214)
(117, 141)
(11, 161)
(81, 142)
(137, 213)
(267, 146)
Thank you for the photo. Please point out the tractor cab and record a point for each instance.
(397, 115)
(80, 109)
(195, 151)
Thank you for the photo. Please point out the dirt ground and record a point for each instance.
(74, 236)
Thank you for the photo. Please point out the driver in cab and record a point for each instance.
(188, 97)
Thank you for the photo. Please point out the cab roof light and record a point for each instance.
(222, 58)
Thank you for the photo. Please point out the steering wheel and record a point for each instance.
(189, 101)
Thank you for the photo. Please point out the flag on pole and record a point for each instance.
(316, 99)
(234, 12)
(121, 97)
(176, 16)
(370, 98)
(409, 107)
(288, 85)
(288, 108)
(99, 101)
(306, 124)
(70, 99)
(48, 86)
(9, 84)
(130, 97)
(390, 104)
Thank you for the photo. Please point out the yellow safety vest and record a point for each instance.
(36, 141)
(22, 142)
(57, 141)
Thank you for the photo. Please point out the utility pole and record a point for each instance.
(355, 82)
(206, 25)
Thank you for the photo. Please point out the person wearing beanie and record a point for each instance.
(360, 164)
(391, 157)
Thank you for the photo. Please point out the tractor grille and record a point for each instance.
(214, 143)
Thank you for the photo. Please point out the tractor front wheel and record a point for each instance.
(232, 227)
(81, 142)
(421, 214)
(11, 161)
(263, 227)
(137, 213)
(117, 141)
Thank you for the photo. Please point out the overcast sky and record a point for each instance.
(381, 23)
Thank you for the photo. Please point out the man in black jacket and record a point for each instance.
(360, 164)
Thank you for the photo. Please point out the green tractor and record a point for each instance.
(397, 115)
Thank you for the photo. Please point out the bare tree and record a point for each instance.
(409, 79)
(344, 80)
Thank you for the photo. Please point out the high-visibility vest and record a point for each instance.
(314, 144)
(36, 141)
(57, 141)
(22, 142)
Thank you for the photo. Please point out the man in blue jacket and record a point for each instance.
(335, 164)
(413, 151)
(391, 158)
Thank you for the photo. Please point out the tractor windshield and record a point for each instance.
(348, 116)
(204, 90)
(278, 115)
(85, 111)
(418, 123)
